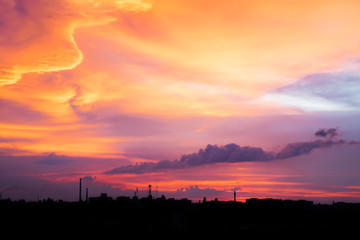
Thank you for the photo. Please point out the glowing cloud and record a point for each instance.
(37, 36)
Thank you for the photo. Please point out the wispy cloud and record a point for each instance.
(32, 41)
(327, 91)
(301, 148)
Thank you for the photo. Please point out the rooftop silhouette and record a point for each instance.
(105, 216)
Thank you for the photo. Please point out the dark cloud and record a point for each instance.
(233, 153)
(211, 154)
(327, 132)
(235, 189)
(300, 148)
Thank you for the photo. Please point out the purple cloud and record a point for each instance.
(301, 148)
(327, 132)
(231, 153)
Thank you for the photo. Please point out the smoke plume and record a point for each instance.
(233, 153)
(327, 132)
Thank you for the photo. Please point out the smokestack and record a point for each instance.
(87, 195)
(234, 196)
(150, 191)
(80, 200)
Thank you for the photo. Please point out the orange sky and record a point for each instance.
(109, 78)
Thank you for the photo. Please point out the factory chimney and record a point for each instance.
(80, 200)
(150, 191)
(234, 196)
(87, 195)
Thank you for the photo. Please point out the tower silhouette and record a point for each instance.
(80, 191)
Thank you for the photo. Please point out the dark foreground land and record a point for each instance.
(102, 217)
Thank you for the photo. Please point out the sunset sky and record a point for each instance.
(195, 97)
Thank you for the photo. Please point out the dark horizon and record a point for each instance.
(103, 216)
(144, 194)
(199, 98)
